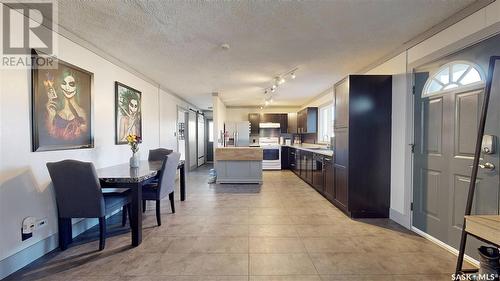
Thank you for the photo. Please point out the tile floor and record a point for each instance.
(282, 230)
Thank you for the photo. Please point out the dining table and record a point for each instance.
(123, 176)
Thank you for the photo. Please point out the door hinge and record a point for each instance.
(411, 206)
(412, 146)
(413, 89)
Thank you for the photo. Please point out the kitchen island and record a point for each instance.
(238, 164)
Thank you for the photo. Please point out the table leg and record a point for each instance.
(183, 182)
(136, 213)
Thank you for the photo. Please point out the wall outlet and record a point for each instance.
(25, 236)
(29, 224)
(41, 223)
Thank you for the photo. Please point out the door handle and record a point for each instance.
(486, 166)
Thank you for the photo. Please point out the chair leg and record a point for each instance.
(158, 215)
(102, 233)
(172, 204)
(129, 211)
(143, 206)
(124, 215)
(65, 233)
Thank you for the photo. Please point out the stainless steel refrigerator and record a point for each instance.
(238, 133)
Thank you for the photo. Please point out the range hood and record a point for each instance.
(268, 125)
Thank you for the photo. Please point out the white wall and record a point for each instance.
(25, 188)
(219, 117)
(322, 99)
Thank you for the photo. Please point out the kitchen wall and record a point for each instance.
(25, 188)
(219, 117)
(324, 98)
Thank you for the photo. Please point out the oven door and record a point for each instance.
(271, 154)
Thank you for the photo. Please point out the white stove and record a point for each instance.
(272, 153)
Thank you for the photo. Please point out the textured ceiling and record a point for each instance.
(177, 43)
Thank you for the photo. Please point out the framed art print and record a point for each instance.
(61, 107)
(128, 114)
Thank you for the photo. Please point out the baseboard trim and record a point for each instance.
(26, 256)
(400, 218)
(30, 254)
(444, 246)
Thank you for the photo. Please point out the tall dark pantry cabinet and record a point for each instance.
(362, 145)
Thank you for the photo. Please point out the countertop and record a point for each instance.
(239, 153)
(310, 147)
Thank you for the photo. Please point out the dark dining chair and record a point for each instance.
(79, 195)
(165, 185)
(158, 154)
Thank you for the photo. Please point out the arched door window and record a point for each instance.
(453, 76)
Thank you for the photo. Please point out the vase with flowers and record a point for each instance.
(134, 141)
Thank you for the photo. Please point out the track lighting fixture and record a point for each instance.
(277, 81)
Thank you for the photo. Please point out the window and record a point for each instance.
(210, 131)
(325, 123)
(453, 76)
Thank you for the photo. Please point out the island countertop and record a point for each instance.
(238, 153)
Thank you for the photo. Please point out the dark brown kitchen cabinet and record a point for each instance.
(340, 188)
(284, 123)
(306, 166)
(292, 163)
(254, 119)
(362, 145)
(329, 177)
(307, 120)
(281, 118)
(297, 168)
(318, 177)
(285, 160)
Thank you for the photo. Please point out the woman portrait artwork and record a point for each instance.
(66, 119)
(62, 108)
(128, 113)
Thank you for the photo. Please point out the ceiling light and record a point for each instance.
(293, 75)
(273, 87)
(261, 107)
(266, 102)
(280, 80)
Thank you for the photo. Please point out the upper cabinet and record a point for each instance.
(254, 119)
(307, 120)
(342, 104)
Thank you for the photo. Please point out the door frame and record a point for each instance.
(186, 144)
(207, 120)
